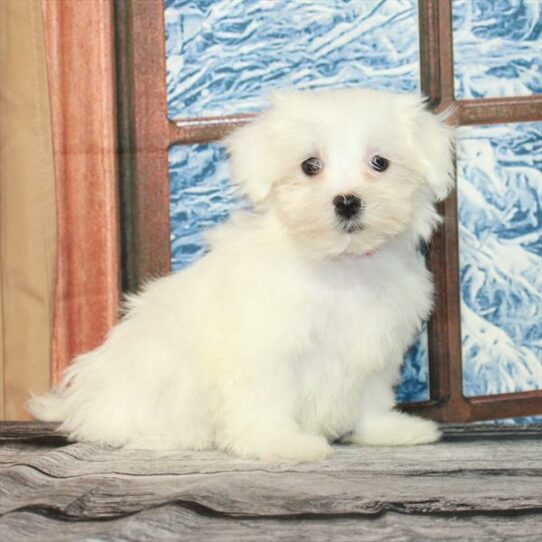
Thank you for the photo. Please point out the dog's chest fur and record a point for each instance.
(364, 316)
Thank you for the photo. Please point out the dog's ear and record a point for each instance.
(435, 139)
(250, 164)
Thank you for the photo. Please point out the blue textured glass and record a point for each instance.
(500, 231)
(224, 55)
(201, 197)
(497, 47)
(415, 372)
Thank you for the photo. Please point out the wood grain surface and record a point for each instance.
(480, 483)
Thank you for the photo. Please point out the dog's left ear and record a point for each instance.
(435, 140)
(251, 168)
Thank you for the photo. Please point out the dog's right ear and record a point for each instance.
(251, 167)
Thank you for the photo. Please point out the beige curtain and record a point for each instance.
(27, 208)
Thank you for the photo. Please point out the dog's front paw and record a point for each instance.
(396, 429)
(295, 448)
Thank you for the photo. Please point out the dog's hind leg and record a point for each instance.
(136, 390)
(178, 419)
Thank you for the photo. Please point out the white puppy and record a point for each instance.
(290, 333)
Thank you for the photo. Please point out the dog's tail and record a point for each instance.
(51, 407)
(54, 406)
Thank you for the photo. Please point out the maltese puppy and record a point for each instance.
(290, 333)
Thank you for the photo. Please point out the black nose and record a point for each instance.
(347, 205)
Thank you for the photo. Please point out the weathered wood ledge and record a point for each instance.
(482, 482)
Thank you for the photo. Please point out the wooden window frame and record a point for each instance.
(146, 133)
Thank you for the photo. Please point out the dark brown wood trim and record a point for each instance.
(436, 75)
(145, 140)
(468, 112)
(126, 155)
(482, 408)
(80, 48)
(428, 13)
(203, 130)
(499, 110)
(505, 405)
(436, 52)
(445, 351)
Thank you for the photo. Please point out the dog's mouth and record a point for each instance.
(351, 226)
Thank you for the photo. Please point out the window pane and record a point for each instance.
(497, 48)
(222, 55)
(500, 202)
(415, 372)
(201, 197)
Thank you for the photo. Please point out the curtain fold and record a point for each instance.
(27, 208)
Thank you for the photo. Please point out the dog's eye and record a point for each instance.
(379, 163)
(312, 166)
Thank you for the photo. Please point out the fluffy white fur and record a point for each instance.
(290, 333)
